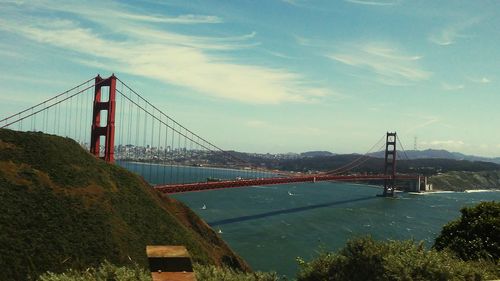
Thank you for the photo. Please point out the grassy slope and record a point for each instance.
(460, 181)
(62, 208)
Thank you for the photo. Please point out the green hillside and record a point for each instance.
(463, 180)
(61, 208)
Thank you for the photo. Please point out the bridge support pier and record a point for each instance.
(108, 131)
(390, 164)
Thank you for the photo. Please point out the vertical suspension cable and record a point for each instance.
(121, 126)
(148, 146)
(137, 141)
(172, 153)
(56, 130)
(87, 100)
(158, 152)
(82, 125)
(165, 152)
(66, 121)
(203, 171)
(129, 123)
(152, 144)
(44, 114)
(191, 158)
(184, 156)
(78, 118)
(70, 101)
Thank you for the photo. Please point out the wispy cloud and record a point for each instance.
(202, 64)
(278, 54)
(449, 34)
(385, 60)
(292, 2)
(481, 80)
(452, 87)
(182, 19)
(444, 144)
(293, 130)
(375, 2)
(425, 121)
(258, 124)
(11, 54)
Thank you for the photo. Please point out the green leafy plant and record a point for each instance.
(475, 235)
(109, 272)
(367, 259)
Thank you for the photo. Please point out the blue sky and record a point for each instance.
(274, 75)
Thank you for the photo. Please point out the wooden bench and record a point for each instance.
(170, 263)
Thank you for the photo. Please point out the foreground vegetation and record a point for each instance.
(109, 272)
(475, 235)
(367, 259)
(467, 249)
(62, 208)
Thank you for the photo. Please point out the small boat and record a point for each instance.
(204, 207)
(289, 193)
(219, 231)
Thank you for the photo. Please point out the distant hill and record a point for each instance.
(316, 153)
(461, 181)
(440, 153)
(427, 166)
(62, 208)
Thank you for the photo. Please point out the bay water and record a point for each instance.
(269, 226)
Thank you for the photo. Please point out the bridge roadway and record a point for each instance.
(188, 187)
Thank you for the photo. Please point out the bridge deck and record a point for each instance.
(178, 188)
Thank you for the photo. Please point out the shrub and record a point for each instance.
(109, 272)
(213, 273)
(475, 235)
(367, 259)
(105, 272)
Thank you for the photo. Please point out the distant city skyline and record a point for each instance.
(274, 76)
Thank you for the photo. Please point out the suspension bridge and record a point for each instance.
(117, 124)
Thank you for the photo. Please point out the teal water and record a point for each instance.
(270, 226)
(167, 174)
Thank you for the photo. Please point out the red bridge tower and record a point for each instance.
(108, 131)
(390, 164)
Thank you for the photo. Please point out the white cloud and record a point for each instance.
(202, 64)
(10, 54)
(390, 65)
(182, 19)
(291, 2)
(259, 124)
(427, 121)
(293, 130)
(444, 144)
(481, 80)
(444, 37)
(449, 34)
(374, 2)
(452, 87)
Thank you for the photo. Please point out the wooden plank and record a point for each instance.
(173, 276)
(172, 263)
